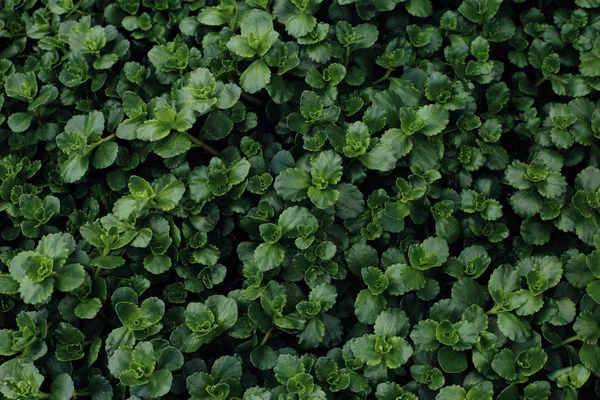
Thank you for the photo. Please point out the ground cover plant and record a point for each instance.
(299, 199)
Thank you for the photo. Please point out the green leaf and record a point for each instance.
(382, 157)
(268, 256)
(255, 77)
(452, 361)
(590, 357)
(153, 130)
(515, 328)
(367, 306)
(20, 122)
(69, 277)
(292, 184)
(263, 357)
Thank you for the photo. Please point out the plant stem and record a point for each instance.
(566, 341)
(383, 78)
(42, 395)
(73, 10)
(348, 52)
(250, 99)
(538, 83)
(266, 337)
(200, 143)
(81, 394)
(103, 316)
(92, 146)
(494, 310)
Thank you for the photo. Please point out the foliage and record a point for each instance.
(300, 199)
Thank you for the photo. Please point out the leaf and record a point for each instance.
(292, 184)
(74, 168)
(255, 77)
(515, 328)
(152, 130)
(263, 357)
(452, 361)
(69, 277)
(217, 126)
(380, 158)
(268, 256)
(105, 155)
(20, 122)
(367, 306)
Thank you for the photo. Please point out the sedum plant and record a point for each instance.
(299, 199)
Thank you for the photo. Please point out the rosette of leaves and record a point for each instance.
(570, 379)
(481, 390)
(292, 373)
(392, 390)
(451, 333)
(37, 214)
(20, 379)
(223, 381)
(512, 302)
(35, 273)
(139, 323)
(29, 338)
(542, 175)
(70, 342)
(276, 309)
(84, 302)
(518, 366)
(432, 252)
(204, 322)
(313, 115)
(328, 371)
(410, 199)
(427, 375)
(147, 368)
(256, 38)
(472, 262)
(296, 184)
(24, 87)
(221, 178)
(293, 223)
(586, 201)
(107, 235)
(320, 300)
(164, 194)
(200, 270)
(83, 134)
(386, 348)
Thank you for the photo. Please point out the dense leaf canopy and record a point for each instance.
(299, 199)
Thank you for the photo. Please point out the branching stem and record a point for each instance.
(201, 144)
(383, 78)
(566, 341)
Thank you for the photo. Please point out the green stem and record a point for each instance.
(251, 99)
(73, 10)
(201, 144)
(566, 341)
(538, 83)
(81, 394)
(42, 395)
(383, 78)
(494, 310)
(266, 337)
(348, 52)
(103, 316)
(36, 116)
(92, 146)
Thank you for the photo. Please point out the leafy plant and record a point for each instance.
(299, 199)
